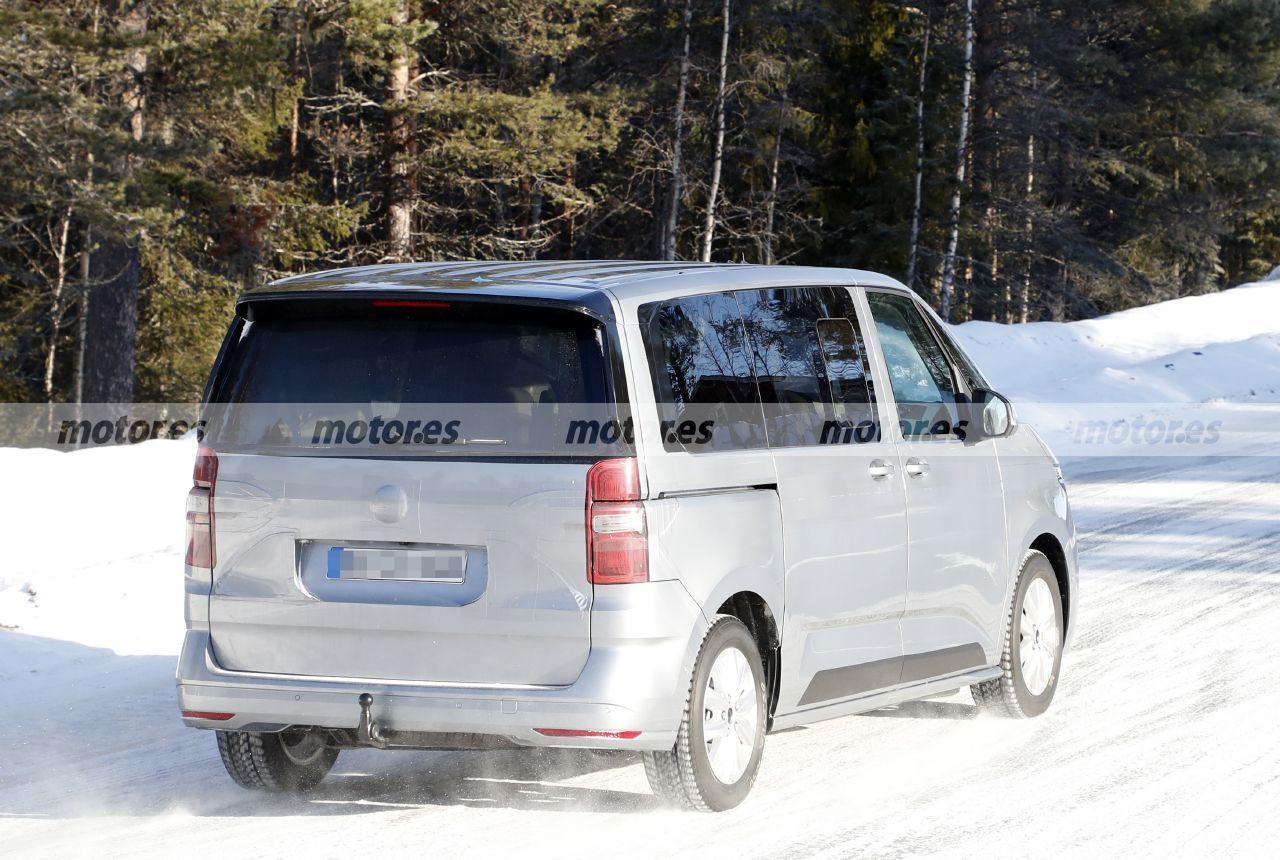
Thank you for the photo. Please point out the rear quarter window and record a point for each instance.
(707, 395)
(780, 368)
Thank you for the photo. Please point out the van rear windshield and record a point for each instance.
(457, 378)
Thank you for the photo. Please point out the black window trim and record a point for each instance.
(949, 347)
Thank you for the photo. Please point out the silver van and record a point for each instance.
(655, 507)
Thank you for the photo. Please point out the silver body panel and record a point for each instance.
(883, 589)
(272, 609)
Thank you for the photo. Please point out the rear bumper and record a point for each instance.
(644, 642)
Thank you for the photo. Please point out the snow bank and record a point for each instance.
(93, 543)
(1222, 346)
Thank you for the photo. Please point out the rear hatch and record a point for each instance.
(397, 495)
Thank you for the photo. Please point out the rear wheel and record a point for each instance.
(1032, 645)
(294, 760)
(721, 738)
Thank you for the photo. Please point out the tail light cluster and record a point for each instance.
(200, 549)
(617, 535)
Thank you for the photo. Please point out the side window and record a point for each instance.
(809, 361)
(919, 370)
(707, 397)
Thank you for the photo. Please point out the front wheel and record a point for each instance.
(291, 761)
(717, 753)
(1033, 637)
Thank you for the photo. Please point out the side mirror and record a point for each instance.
(993, 412)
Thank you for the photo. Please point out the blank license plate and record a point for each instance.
(414, 565)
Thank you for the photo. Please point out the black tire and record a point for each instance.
(1009, 695)
(292, 761)
(684, 776)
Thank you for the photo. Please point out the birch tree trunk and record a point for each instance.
(82, 315)
(771, 199)
(55, 305)
(674, 188)
(1028, 224)
(567, 233)
(962, 152)
(1024, 296)
(717, 162)
(400, 148)
(295, 110)
(913, 254)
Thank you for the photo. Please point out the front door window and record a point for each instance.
(919, 372)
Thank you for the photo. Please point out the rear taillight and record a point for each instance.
(617, 537)
(200, 551)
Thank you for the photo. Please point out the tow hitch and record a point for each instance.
(368, 732)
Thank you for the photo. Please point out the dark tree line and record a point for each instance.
(1011, 159)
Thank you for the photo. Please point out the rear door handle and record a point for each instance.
(917, 467)
(879, 469)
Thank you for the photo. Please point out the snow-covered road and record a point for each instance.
(1163, 740)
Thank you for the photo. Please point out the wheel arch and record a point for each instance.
(758, 617)
(1052, 548)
